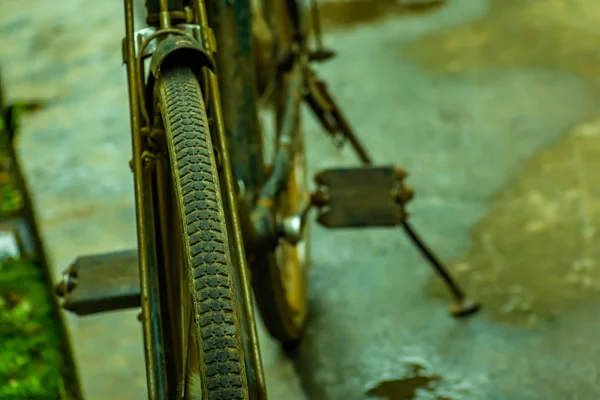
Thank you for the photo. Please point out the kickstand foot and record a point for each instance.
(461, 306)
(465, 308)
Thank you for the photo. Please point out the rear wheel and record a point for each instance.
(206, 331)
(280, 278)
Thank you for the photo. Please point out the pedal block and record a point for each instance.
(361, 197)
(100, 283)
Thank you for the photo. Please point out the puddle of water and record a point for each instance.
(539, 33)
(349, 13)
(406, 388)
(537, 252)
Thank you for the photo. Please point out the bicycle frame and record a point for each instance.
(182, 37)
(237, 142)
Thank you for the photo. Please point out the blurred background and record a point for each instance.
(493, 106)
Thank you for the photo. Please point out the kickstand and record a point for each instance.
(461, 306)
(329, 114)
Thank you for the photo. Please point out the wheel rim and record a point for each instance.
(292, 259)
(288, 278)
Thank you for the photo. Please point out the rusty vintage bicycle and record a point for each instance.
(217, 225)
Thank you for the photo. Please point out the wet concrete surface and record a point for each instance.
(492, 111)
(492, 106)
(344, 14)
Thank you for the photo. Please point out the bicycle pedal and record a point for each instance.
(361, 197)
(100, 283)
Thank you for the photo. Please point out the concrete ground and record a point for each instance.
(492, 106)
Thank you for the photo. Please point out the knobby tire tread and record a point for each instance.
(196, 185)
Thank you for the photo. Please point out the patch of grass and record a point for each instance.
(35, 361)
(31, 361)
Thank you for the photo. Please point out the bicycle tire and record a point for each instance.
(204, 235)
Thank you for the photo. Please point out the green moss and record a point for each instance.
(35, 361)
(31, 362)
(33, 356)
(10, 198)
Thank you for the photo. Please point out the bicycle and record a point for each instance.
(198, 156)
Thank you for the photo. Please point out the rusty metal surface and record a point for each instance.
(231, 23)
(262, 216)
(149, 300)
(179, 48)
(153, 6)
(360, 197)
(100, 283)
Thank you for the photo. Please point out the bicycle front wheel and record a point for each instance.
(207, 332)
